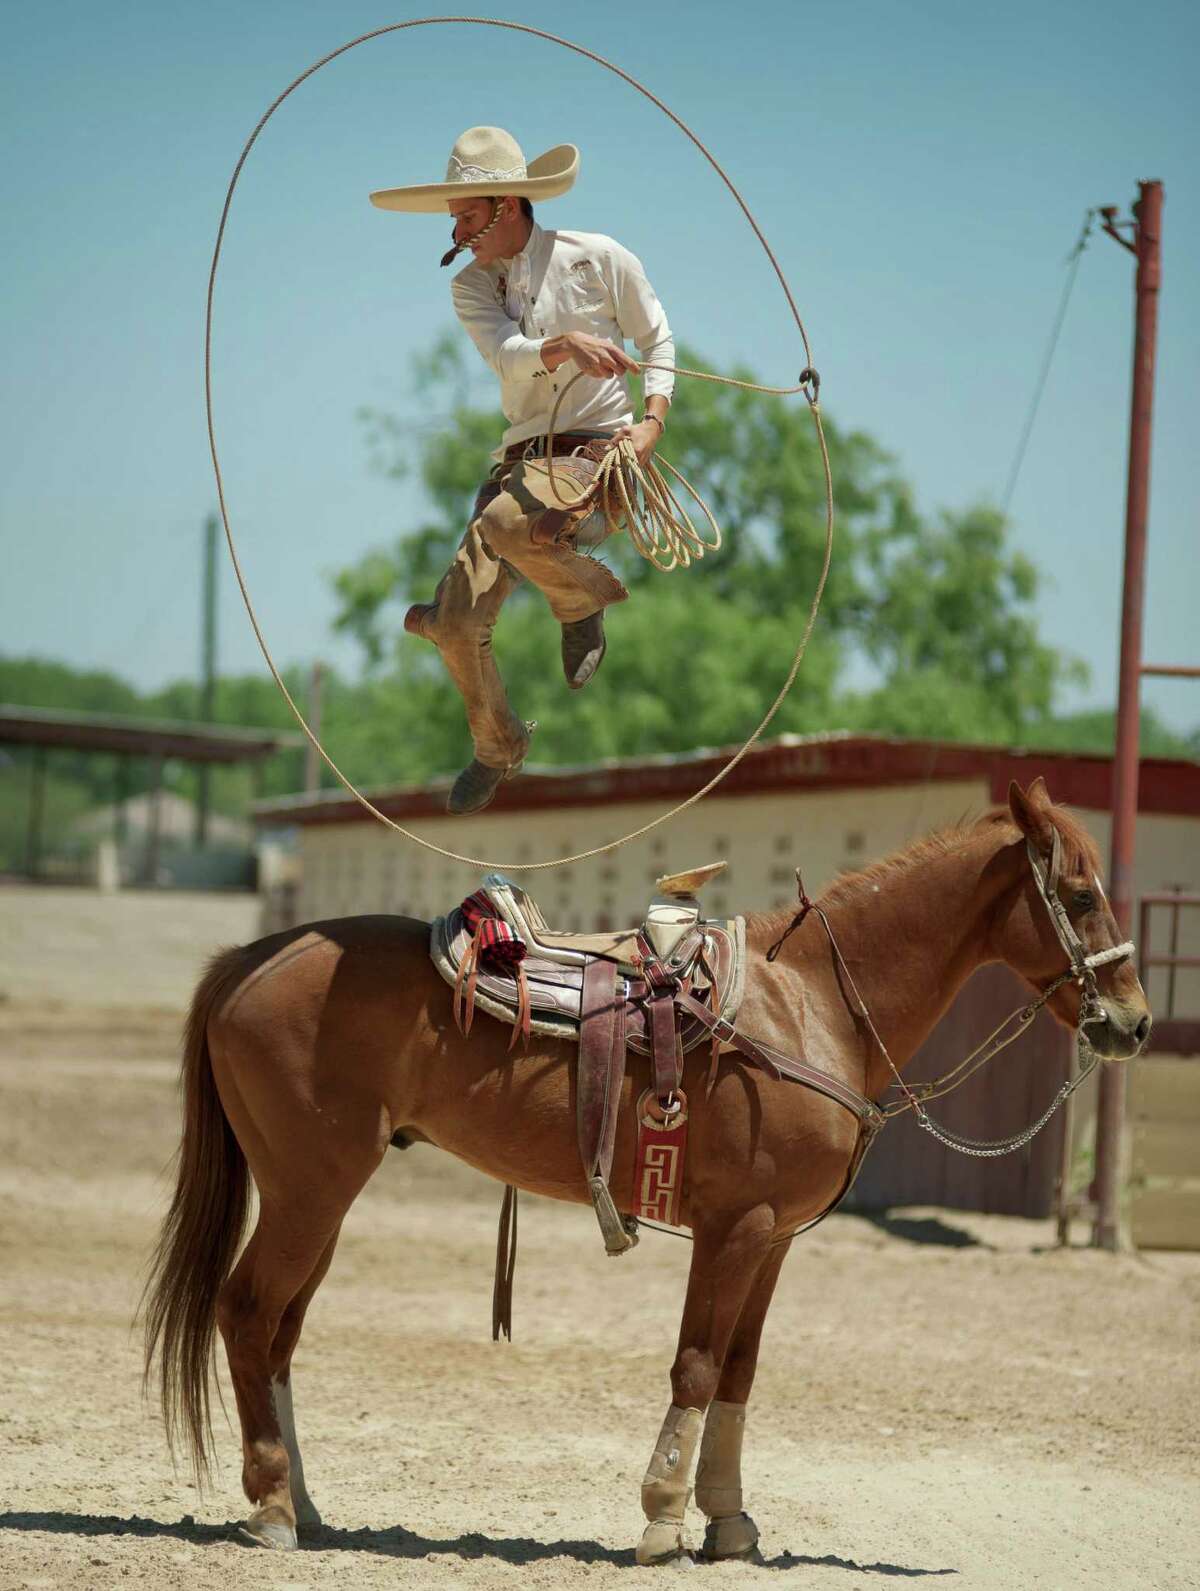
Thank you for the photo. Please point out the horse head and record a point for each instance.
(1060, 928)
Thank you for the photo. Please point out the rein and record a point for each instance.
(872, 1118)
(1082, 970)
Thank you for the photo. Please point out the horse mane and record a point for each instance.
(1079, 854)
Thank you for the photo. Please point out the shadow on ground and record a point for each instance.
(399, 1543)
(920, 1228)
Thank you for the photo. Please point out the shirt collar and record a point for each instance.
(532, 244)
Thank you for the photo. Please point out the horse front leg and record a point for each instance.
(731, 1532)
(727, 1255)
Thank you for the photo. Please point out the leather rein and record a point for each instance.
(1081, 969)
(871, 1117)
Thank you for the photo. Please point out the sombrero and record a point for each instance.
(487, 162)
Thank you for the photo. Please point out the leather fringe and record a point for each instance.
(506, 1264)
(464, 985)
(522, 1025)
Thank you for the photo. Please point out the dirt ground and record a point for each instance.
(940, 1396)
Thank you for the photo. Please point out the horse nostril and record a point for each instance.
(1142, 1031)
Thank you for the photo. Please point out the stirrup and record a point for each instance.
(619, 1232)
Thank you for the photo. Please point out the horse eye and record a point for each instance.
(1085, 901)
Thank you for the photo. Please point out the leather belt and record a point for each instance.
(566, 442)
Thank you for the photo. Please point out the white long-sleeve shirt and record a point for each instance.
(560, 282)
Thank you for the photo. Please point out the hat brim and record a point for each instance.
(548, 176)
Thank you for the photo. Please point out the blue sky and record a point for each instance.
(921, 169)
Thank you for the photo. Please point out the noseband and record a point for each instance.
(1083, 965)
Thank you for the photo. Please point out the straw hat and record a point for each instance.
(487, 162)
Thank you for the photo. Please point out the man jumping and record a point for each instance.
(533, 303)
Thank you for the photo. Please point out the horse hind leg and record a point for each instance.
(731, 1532)
(726, 1257)
(308, 1519)
(282, 1262)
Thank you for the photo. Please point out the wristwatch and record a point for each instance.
(661, 424)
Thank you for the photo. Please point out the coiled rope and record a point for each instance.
(634, 496)
(809, 385)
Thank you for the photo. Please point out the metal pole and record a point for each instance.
(312, 766)
(154, 821)
(208, 671)
(1110, 1114)
(37, 811)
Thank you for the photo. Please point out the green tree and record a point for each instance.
(952, 632)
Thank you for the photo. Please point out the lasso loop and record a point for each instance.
(809, 385)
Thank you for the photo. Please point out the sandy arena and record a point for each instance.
(939, 1396)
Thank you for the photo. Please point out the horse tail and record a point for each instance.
(199, 1237)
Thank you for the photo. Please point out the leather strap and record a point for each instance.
(567, 442)
(665, 1047)
(601, 1067)
(779, 1065)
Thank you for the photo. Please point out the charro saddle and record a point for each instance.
(659, 989)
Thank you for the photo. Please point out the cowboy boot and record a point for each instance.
(416, 617)
(476, 786)
(583, 649)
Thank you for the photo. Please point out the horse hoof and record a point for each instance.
(664, 1545)
(735, 1536)
(269, 1528)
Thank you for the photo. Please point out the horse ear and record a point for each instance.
(1029, 810)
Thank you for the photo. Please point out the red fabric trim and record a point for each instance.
(497, 943)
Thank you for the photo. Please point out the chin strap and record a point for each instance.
(452, 253)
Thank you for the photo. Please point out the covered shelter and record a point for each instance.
(154, 740)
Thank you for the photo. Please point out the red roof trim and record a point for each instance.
(822, 763)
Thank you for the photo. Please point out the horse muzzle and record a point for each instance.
(1118, 1032)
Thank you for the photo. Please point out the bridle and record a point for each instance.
(1083, 964)
(1081, 969)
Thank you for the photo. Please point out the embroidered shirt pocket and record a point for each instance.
(583, 299)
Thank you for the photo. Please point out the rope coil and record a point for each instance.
(659, 527)
(809, 385)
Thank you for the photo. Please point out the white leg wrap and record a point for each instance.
(306, 1510)
(719, 1472)
(731, 1533)
(667, 1485)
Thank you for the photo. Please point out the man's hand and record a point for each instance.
(595, 356)
(644, 438)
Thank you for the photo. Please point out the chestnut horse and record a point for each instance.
(308, 1052)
